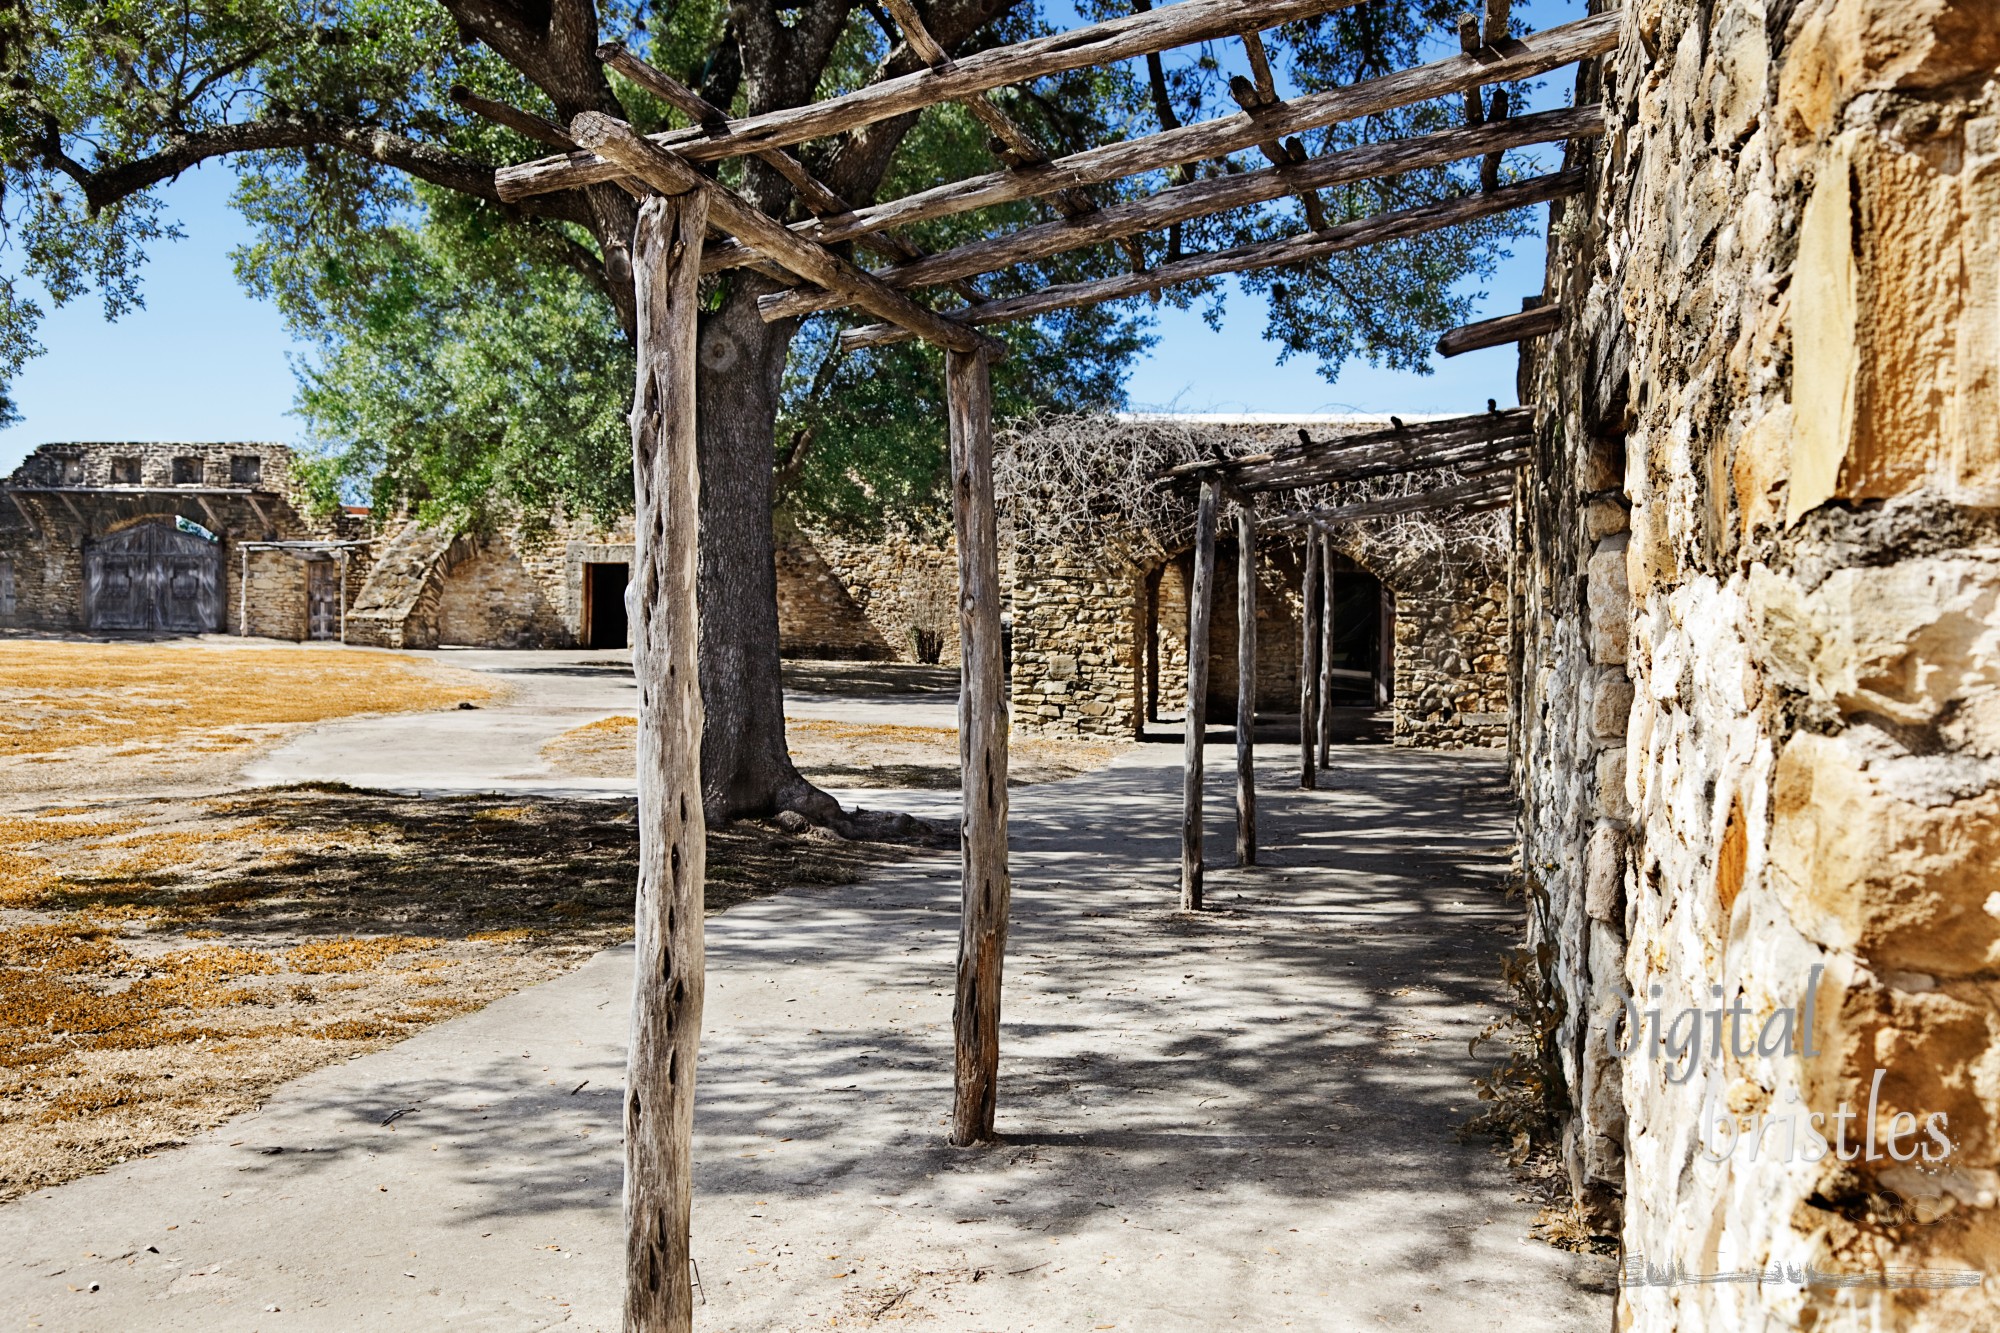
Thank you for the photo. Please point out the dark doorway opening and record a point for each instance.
(604, 605)
(1363, 649)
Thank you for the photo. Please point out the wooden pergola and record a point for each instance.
(1483, 449)
(690, 225)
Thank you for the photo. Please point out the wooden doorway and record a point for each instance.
(323, 597)
(151, 576)
(604, 624)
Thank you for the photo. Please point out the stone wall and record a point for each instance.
(66, 494)
(1760, 631)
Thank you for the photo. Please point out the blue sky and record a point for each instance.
(203, 361)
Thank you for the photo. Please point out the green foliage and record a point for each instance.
(458, 363)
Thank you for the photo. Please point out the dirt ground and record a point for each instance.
(168, 956)
(849, 754)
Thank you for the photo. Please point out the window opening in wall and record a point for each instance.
(124, 472)
(604, 605)
(246, 469)
(6, 587)
(69, 471)
(187, 472)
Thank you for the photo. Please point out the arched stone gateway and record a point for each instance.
(155, 574)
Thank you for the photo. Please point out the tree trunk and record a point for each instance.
(667, 933)
(982, 752)
(1201, 609)
(1246, 686)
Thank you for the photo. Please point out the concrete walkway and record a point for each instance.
(1240, 1121)
(498, 747)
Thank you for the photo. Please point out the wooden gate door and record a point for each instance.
(152, 576)
(323, 599)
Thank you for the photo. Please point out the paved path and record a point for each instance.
(1240, 1121)
(498, 747)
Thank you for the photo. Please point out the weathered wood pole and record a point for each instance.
(1326, 651)
(673, 847)
(1309, 613)
(1246, 686)
(982, 752)
(1201, 612)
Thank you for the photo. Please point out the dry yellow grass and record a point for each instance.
(841, 753)
(67, 696)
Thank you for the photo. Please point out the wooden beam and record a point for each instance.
(817, 198)
(1182, 24)
(1246, 686)
(1517, 327)
(1204, 197)
(1299, 249)
(982, 752)
(524, 123)
(1216, 138)
(1310, 606)
(1324, 728)
(1384, 462)
(1477, 493)
(1247, 469)
(673, 847)
(665, 172)
(1201, 616)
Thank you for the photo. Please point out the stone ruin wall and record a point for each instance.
(1759, 615)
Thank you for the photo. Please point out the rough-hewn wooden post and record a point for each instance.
(982, 752)
(1309, 613)
(1201, 611)
(667, 938)
(1246, 685)
(1326, 651)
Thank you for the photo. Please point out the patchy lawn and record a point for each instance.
(145, 716)
(165, 963)
(848, 754)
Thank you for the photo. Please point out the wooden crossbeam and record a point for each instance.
(1257, 95)
(1532, 55)
(1481, 492)
(614, 141)
(1517, 327)
(1200, 198)
(818, 198)
(1471, 459)
(1424, 436)
(1301, 249)
(1108, 43)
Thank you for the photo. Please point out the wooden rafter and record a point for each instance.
(1300, 249)
(1201, 198)
(1520, 59)
(818, 198)
(1486, 492)
(1107, 43)
(615, 141)
(1517, 327)
(1424, 443)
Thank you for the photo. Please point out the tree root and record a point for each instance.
(803, 808)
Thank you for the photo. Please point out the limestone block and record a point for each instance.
(1611, 705)
(1610, 604)
(1611, 798)
(1062, 666)
(1889, 857)
(1911, 641)
(1604, 874)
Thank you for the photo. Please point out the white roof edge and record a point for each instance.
(1286, 418)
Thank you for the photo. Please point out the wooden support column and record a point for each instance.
(1309, 613)
(982, 752)
(1201, 613)
(1246, 685)
(667, 933)
(1325, 731)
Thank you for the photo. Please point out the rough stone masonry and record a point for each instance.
(1758, 620)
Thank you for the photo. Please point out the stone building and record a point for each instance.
(172, 538)
(1099, 612)
(1757, 612)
